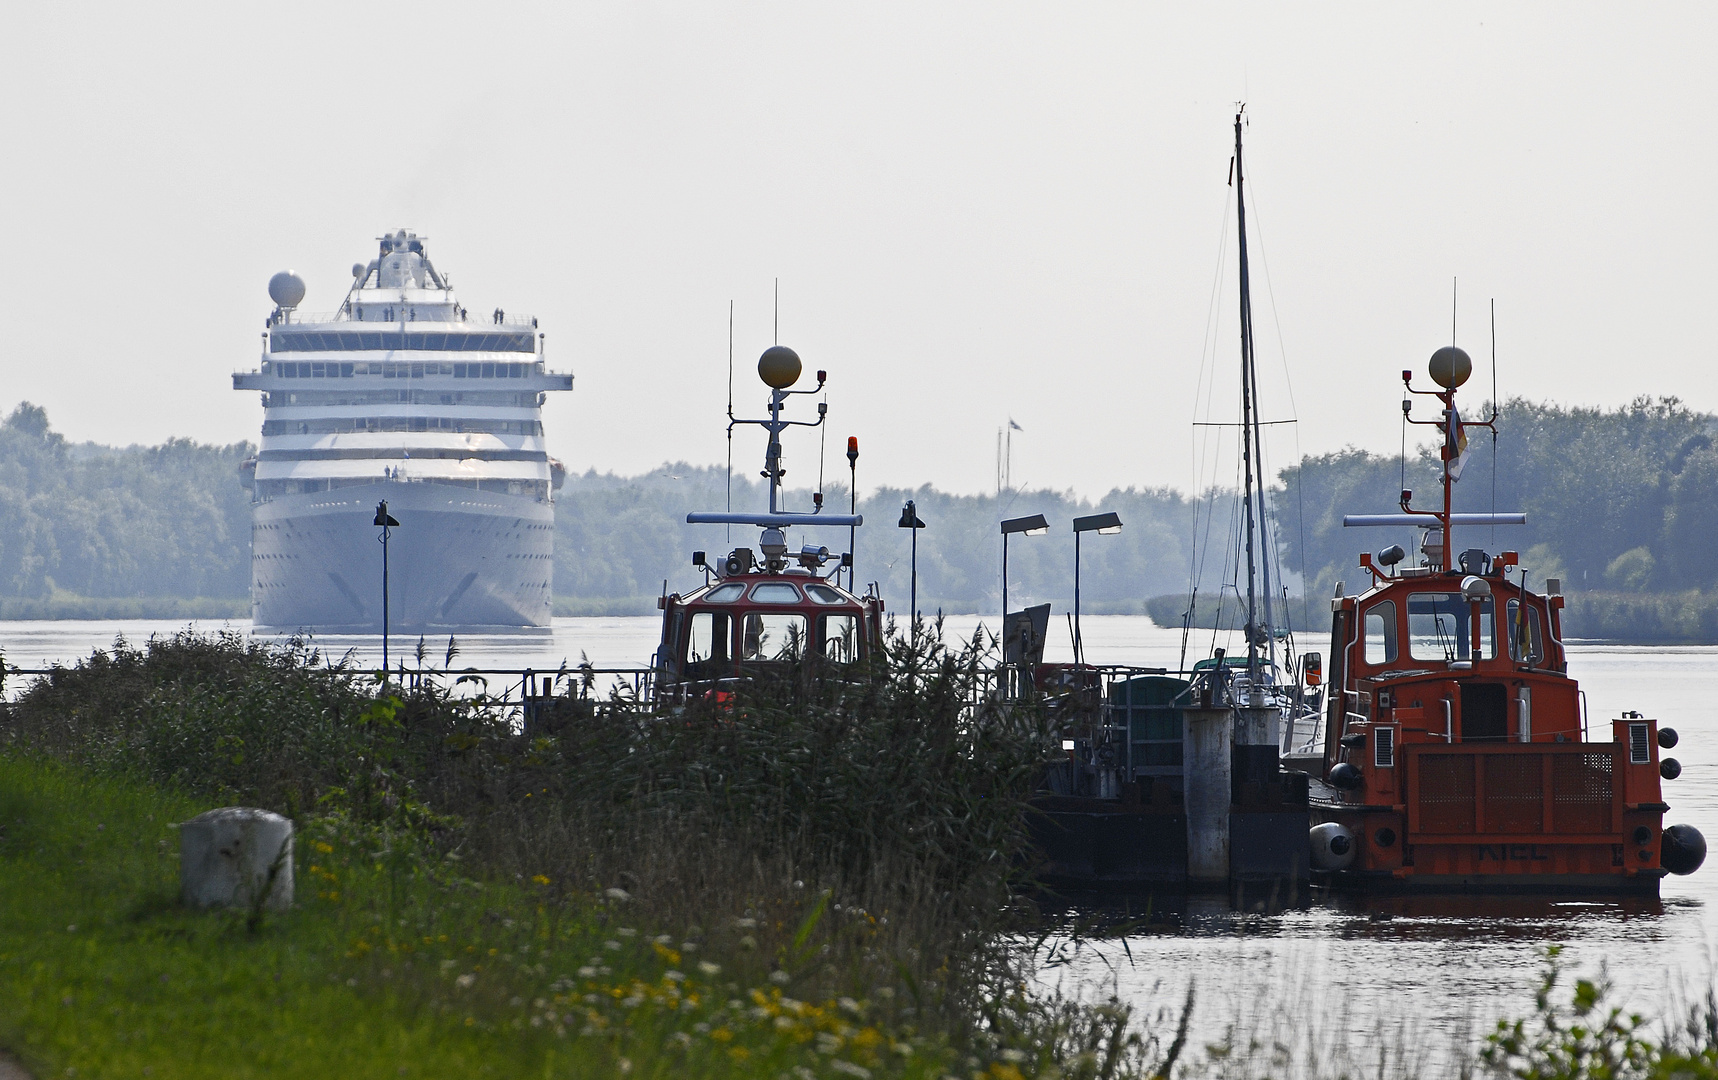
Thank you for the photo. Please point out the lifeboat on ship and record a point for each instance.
(769, 610)
(1458, 752)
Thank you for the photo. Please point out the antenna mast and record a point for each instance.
(1250, 447)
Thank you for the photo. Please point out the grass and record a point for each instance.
(382, 969)
(813, 881)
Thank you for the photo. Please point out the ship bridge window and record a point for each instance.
(707, 645)
(838, 637)
(283, 340)
(775, 592)
(1381, 633)
(724, 594)
(1526, 644)
(1440, 627)
(823, 594)
(773, 636)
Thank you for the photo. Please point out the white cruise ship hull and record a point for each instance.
(461, 559)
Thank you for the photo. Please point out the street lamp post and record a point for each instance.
(1035, 525)
(1103, 525)
(387, 524)
(910, 520)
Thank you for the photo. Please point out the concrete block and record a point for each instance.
(232, 856)
(1208, 739)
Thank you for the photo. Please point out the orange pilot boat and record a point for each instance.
(1458, 753)
(771, 609)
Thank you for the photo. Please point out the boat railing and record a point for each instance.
(501, 687)
(325, 318)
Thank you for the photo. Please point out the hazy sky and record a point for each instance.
(976, 211)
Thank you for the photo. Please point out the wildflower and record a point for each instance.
(627, 931)
(539, 879)
(674, 976)
(745, 924)
(1013, 1056)
(619, 896)
(688, 946)
(708, 969)
(850, 1069)
(587, 972)
(722, 1035)
(623, 1065)
(848, 1005)
(465, 981)
(827, 1043)
(680, 1039)
(780, 978)
(748, 942)
(611, 946)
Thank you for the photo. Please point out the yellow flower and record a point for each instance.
(540, 879)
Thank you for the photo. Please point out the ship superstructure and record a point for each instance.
(400, 396)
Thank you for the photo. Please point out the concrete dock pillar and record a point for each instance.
(1207, 745)
(235, 857)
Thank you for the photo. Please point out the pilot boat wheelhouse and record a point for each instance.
(1458, 751)
(768, 610)
(757, 619)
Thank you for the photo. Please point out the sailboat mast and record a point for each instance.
(1248, 420)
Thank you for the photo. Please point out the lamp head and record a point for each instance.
(1102, 524)
(1031, 526)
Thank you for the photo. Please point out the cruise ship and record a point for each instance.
(400, 397)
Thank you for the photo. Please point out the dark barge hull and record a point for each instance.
(1097, 845)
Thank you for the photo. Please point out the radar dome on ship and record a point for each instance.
(1450, 367)
(779, 367)
(286, 289)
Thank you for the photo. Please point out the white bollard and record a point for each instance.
(233, 856)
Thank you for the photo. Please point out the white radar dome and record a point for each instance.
(286, 289)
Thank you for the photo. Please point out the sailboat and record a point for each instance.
(1180, 782)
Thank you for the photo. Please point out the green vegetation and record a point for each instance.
(1619, 502)
(1620, 506)
(818, 876)
(80, 521)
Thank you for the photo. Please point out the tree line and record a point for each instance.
(1621, 503)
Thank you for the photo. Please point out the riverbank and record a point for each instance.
(817, 883)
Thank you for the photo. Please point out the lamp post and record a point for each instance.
(1103, 525)
(386, 523)
(853, 502)
(1034, 525)
(910, 520)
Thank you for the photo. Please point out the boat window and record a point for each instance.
(1526, 644)
(707, 645)
(775, 592)
(823, 594)
(724, 594)
(773, 636)
(840, 637)
(1381, 632)
(1440, 627)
